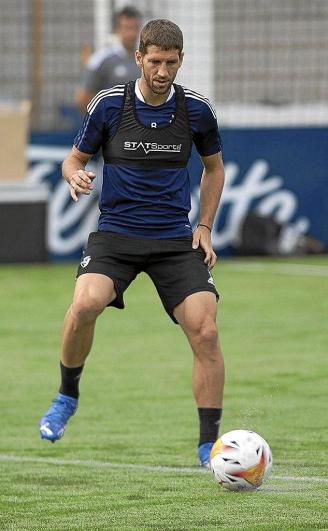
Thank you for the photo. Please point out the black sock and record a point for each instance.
(70, 379)
(209, 424)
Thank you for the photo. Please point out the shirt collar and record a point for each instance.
(141, 98)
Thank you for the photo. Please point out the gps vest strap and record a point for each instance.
(137, 145)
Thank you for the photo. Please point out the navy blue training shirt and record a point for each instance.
(142, 202)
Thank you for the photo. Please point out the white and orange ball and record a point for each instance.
(241, 460)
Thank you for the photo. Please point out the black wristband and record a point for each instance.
(203, 225)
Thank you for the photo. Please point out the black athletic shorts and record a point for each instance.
(176, 269)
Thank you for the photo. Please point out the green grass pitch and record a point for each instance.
(127, 460)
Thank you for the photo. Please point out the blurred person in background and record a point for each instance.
(113, 65)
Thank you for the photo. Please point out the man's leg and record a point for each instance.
(92, 294)
(197, 315)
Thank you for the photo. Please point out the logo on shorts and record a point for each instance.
(85, 261)
(211, 279)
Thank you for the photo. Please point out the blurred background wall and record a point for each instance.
(263, 64)
(237, 51)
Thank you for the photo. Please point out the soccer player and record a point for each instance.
(146, 129)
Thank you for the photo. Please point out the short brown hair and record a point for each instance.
(128, 12)
(162, 33)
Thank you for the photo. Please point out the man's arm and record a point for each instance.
(73, 169)
(211, 187)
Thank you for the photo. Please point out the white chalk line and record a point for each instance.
(7, 458)
(281, 269)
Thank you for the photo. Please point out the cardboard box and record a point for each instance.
(14, 126)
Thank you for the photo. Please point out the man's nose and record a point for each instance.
(162, 71)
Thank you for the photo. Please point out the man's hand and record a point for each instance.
(202, 237)
(81, 182)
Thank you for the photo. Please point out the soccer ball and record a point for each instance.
(241, 460)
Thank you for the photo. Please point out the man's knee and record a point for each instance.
(86, 308)
(93, 292)
(208, 334)
(204, 332)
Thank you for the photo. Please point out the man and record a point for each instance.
(146, 131)
(115, 64)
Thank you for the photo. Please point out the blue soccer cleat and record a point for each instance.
(53, 422)
(204, 451)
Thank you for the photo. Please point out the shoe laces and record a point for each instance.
(61, 410)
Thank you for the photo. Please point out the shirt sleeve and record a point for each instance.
(90, 136)
(93, 76)
(207, 138)
(94, 79)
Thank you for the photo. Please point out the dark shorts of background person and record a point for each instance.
(176, 269)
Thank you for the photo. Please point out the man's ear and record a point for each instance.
(181, 58)
(138, 58)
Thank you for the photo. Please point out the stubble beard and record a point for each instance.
(157, 90)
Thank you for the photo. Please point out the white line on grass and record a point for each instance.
(5, 458)
(281, 269)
